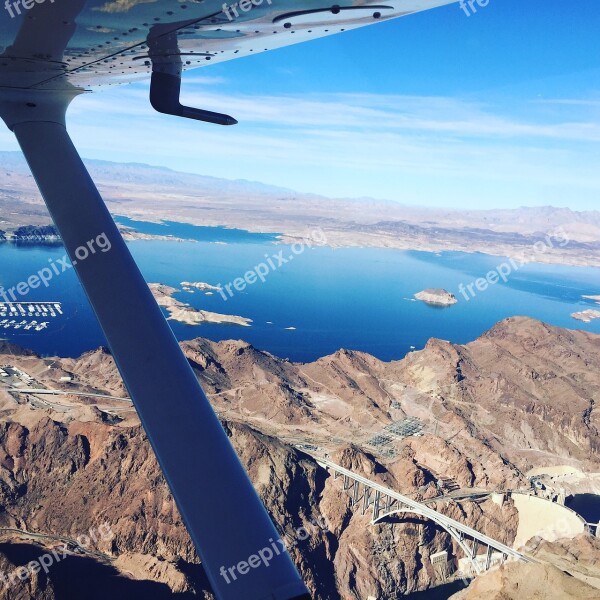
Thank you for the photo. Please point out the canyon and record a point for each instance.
(483, 414)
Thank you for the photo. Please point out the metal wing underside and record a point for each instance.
(106, 42)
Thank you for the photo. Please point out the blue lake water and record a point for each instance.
(352, 298)
(200, 234)
(587, 505)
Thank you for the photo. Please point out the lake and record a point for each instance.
(586, 505)
(322, 300)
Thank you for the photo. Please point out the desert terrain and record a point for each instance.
(145, 193)
(481, 416)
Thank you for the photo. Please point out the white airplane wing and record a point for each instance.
(107, 42)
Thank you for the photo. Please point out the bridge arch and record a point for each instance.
(455, 535)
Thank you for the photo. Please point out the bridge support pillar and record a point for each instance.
(347, 483)
(488, 558)
(366, 500)
(376, 509)
(355, 492)
(475, 548)
(388, 503)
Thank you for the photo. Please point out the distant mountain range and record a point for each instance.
(152, 193)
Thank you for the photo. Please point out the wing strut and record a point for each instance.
(223, 513)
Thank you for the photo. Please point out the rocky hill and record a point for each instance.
(477, 415)
(574, 578)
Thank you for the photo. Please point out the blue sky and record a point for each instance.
(498, 109)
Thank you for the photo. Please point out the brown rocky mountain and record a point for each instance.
(515, 582)
(576, 578)
(484, 413)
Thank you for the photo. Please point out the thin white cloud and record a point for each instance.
(405, 148)
(570, 102)
(430, 115)
(203, 80)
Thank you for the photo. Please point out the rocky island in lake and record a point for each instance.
(184, 313)
(588, 315)
(437, 296)
(200, 285)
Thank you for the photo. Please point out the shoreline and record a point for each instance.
(339, 239)
(287, 240)
(574, 254)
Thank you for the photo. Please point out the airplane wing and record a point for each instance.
(108, 41)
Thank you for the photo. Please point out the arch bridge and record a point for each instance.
(383, 502)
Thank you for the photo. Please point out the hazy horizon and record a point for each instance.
(267, 184)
